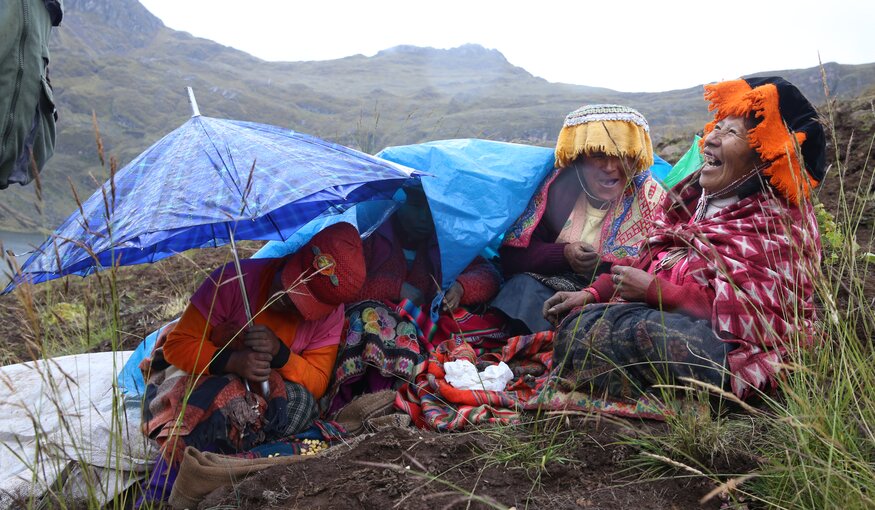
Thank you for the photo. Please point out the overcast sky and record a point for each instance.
(628, 45)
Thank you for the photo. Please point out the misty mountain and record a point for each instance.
(117, 60)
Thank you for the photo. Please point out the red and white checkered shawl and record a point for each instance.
(760, 256)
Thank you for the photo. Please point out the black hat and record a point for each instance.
(788, 125)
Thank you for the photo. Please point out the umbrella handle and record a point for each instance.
(265, 387)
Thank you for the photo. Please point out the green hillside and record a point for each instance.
(117, 60)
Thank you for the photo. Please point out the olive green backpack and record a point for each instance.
(27, 112)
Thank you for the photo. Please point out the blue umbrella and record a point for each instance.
(205, 183)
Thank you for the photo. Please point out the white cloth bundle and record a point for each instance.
(463, 374)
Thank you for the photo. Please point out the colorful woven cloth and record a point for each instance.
(383, 346)
(434, 403)
(381, 350)
(477, 329)
(211, 413)
(627, 224)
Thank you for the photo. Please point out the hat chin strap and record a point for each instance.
(595, 201)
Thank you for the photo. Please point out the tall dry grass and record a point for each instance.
(811, 443)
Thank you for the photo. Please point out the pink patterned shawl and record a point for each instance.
(220, 300)
(760, 256)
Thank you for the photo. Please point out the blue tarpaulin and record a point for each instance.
(475, 189)
(478, 190)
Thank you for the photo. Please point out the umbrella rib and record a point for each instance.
(224, 163)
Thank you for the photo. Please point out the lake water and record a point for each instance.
(20, 244)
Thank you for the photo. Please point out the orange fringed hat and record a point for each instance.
(788, 126)
(610, 129)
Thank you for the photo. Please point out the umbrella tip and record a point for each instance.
(194, 109)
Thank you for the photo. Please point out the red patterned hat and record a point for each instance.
(327, 271)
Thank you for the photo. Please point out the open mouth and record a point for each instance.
(609, 183)
(711, 161)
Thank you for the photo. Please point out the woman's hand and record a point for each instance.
(250, 365)
(261, 338)
(631, 283)
(453, 297)
(561, 303)
(582, 257)
(227, 334)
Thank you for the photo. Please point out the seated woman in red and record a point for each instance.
(403, 261)
(390, 327)
(198, 392)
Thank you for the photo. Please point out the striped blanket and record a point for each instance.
(435, 404)
(211, 413)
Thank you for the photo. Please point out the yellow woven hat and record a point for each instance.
(609, 129)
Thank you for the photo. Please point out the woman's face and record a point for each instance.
(728, 155)
(415, 218)
(605, 177)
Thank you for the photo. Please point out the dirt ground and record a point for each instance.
(404, 468)
(410, 468)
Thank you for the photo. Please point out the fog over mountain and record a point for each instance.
(116, 59)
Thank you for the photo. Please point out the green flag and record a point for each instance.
(689, 163)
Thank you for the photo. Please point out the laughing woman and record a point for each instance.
(593, 209)
(723, 288)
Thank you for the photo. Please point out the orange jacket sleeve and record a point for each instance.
(311, 369)
(188, 346)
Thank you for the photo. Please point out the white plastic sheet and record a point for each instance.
(61, 419)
